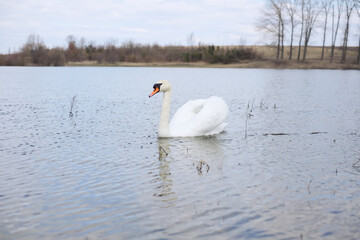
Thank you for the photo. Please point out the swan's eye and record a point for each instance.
(157, 85)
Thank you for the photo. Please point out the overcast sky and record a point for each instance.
(219, 22)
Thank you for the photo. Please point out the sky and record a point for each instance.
(165, 22)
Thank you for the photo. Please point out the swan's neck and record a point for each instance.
(165, 115)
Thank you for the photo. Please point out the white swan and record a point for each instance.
(195, 118)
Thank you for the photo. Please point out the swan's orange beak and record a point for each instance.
(156, 90)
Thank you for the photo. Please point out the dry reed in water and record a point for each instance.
(73, 101)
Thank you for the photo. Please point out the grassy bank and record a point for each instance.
(284, 64)
(266, 59)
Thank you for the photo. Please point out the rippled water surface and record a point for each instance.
(99, 174)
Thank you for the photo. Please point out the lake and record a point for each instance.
(287, 166)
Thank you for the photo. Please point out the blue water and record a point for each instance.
(100, 175)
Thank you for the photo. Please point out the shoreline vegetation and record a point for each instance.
(265, 64)
(130, 54)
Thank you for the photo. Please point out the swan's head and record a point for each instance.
(160, 86)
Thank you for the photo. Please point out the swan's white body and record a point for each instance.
(199, 117)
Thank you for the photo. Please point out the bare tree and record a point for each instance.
(191, 42)
(82, 51)
(311, 14)
(110, 53)
(350, 5)
(358, 58)
(281, 23)
(291, 9)
(70, 39)
(72, 51)
(277, 10)
(334, 30)
(82, 43)
(358, 12)
(269, 25)
(302, 4)
(191, 39)
(34, 51)
(326, 5)
(272, 23)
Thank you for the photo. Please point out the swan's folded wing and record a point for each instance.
(210, 120)
(200, 117)
(184, 115)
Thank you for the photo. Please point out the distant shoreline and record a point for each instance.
(137, 55)
(266, 64)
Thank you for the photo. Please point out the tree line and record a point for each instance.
(282, 19)
(35, 52)
(290, 25)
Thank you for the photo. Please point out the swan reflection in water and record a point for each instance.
(179, 159)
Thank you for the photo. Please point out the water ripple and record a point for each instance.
(99, 174)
